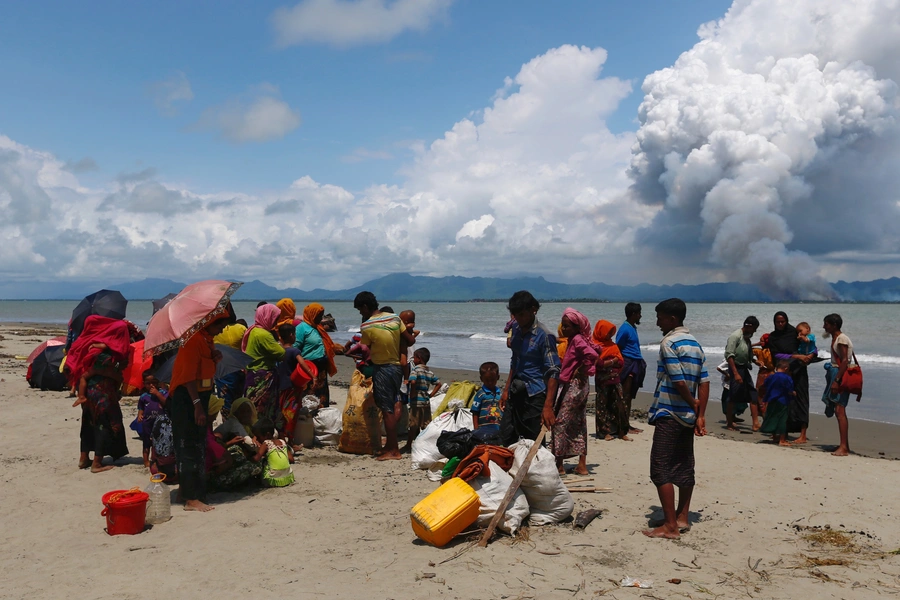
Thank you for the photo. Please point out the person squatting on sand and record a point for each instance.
(530, 391)
(578, 365)
(678, 413)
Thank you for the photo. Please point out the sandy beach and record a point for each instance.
(768, 522)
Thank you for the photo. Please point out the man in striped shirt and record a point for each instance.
(678, 414)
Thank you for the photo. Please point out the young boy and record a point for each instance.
(150, 405)
(486, 404)
(419, 397)
(779, 391)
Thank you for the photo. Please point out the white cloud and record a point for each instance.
(766, 139)
(258, 116)
(171, 94)
(345, 23)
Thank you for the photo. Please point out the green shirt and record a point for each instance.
(264, 349)
(738, 347)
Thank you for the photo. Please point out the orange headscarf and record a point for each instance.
(562, 342)
(603, 339)
(312, 312)
(288, 311)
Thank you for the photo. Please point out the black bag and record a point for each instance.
(456, 444)
(487, 436)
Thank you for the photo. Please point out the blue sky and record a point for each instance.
(79, 76)
(320, 143)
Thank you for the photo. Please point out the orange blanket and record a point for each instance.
(476, 463)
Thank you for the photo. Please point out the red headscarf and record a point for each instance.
(266, 317)
(114, 333)
(603, 339)
(310, 314)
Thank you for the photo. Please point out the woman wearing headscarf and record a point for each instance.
(611, 414)
(288, 312)
(261, 345)
(784, 345)
(95, 363)
(570, 429)
(315, 345)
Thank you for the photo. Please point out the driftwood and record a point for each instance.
(514, 486)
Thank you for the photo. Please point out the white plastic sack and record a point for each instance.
(424, 448)
(491, 491)
(436, 401)
(327, 423)
(548, 497)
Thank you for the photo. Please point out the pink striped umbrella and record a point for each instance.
(191, 310)
(59, 340)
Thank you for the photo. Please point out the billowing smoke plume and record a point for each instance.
(778, 121)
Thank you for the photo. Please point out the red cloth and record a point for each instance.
(114, 333)
(476, 463)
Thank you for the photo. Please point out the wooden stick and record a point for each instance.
(513, 487)
(573, 490)
(571, 481)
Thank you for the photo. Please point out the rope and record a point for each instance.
(116, 497)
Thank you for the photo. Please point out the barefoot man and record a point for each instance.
(836, 400)
(530, 391)
(678, 414)
(635, 367)
(743, 388)
(382, 331)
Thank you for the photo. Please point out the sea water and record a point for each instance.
(462, 335)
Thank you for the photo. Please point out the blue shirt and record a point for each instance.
(309, 341)
(628, 342)
(535, 358)
(680, 359)
(808, 347)
(779, 388)
(421, 380)
(486, 405)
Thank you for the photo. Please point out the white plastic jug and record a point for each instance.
(159, 507)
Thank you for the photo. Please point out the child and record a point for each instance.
(360, 353)
(150, 405)
(486, 403)
(279, 458)
(779, 391)
(419, 397)
(807, 340)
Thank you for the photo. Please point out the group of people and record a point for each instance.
(548, 386)
(780, 391)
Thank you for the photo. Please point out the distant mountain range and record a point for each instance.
(403, 286)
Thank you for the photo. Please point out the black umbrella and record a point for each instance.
(232, 360)
(45, 370)
(158, 304)
(105, 303)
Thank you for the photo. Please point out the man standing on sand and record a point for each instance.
(836, 400)
(678, 413)
(741, 389)
(635, 367)
(382, 332)
(530, 391)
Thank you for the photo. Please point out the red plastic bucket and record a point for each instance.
(125, 511)
(299, 377)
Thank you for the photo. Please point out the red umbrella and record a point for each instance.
(191, 310)
(59, 340)
(137, 364)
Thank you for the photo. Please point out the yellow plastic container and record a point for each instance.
(445, 512)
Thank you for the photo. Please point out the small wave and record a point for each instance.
(863, 358)
(485, 336)
(353, 330)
